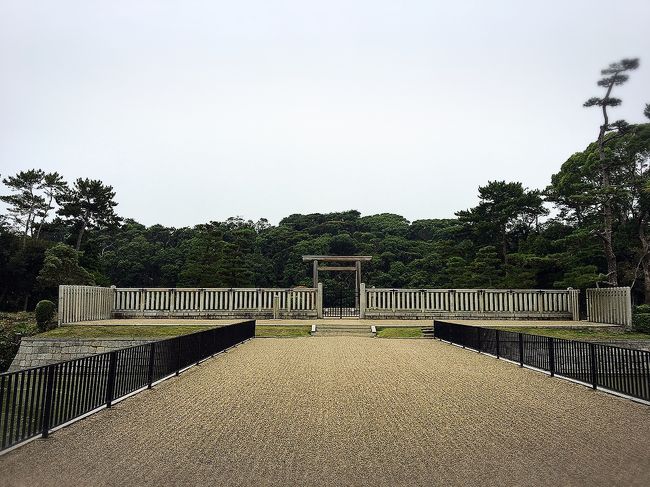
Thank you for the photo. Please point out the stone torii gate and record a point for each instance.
(356, 268)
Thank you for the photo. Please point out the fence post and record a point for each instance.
(478, 339)
(362, 300)
(628, 308)
(214, 341)
(142, 298)
(172, 302)
(110, 383)
(60, 306)
(152, 354)
(49, 394)
(319, 301)
(178, 356)
(594, 369)
(521, 349)
(551, 356)
(497, 344)
(276, 307)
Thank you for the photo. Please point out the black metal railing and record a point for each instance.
(34, 401)
(341, 303)
(622, 370)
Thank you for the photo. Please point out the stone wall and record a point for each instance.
(34, 352)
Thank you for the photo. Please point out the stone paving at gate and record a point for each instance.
(349, 411)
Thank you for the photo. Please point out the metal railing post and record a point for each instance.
(152, 354)
(497, 344)
(110, 383)
(178, 356)
(551, 356)
(521, 350)
(49, 395)
(594, 369)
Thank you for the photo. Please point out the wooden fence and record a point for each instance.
(610, 305)
(470, 303)
(215, 303)
(84, 303)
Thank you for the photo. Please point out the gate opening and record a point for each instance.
(341, 295)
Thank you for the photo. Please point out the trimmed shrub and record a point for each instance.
(641, 322)
(642, 309)
(45, 311)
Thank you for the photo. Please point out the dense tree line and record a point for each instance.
(588, 227)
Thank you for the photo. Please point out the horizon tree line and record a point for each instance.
(56, 233)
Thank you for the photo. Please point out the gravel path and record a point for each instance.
(349, 411)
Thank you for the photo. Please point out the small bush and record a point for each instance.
(642, 309)
(45, 312)
(641, 322)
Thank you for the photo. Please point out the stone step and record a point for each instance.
(342, 333)
(343, 329)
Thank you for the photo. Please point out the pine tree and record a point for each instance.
(89, 204)
(614, 75)
(25, 202)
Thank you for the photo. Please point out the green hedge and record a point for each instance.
(641, 322)
(45, 311)
(642, 309)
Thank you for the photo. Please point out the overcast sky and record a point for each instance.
(200, 110)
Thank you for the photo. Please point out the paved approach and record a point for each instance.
(349, 411)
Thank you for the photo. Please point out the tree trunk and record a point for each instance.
(26, 302)
(608, 218)
(40, 225)
(79, 237)
(504, 249)
(608, 245)
(646, 280)
(645, 260)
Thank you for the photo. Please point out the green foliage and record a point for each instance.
(61, 266)
(44, 313)
(502, 242)
(504, 210)
(88, 204)
(641, 322)
(399, 332)
(641, 318)
(282, 331)
(13, 326)
(122, 331)
(486, 268)
(24, 202)
(642, 309)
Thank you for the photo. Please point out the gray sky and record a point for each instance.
(199, 110)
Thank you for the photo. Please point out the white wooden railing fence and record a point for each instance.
(84, 303)
(88, 303)
(610, 305)
(132, 302)
(471, 303)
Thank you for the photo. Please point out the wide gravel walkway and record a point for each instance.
(349, 411)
